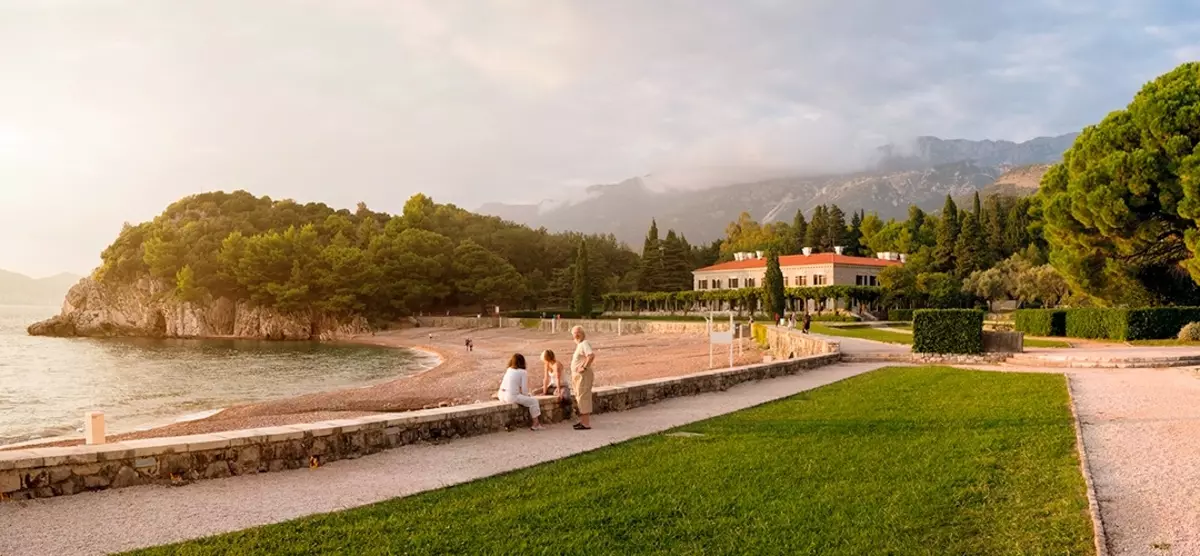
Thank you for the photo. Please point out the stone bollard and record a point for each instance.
(93, 427)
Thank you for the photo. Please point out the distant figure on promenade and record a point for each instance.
(581, 377)
(470, 345)
(807, 321)
(514, 388)
(556, 379)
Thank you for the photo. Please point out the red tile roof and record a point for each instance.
(800, 260)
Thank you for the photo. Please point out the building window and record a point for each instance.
(801, 281)
(786, 279)
(716, 283)
(871, 281)
(733, 283)
(858, 279)
(749, 282)
(818, 279)
(702, 285)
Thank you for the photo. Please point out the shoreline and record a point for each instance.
(458, 377)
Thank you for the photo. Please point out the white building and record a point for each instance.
(819, 269)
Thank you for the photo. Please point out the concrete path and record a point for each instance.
(124, 519)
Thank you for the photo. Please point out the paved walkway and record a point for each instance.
(858, 346)
(124, 519)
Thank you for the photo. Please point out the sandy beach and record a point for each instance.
(462, 377)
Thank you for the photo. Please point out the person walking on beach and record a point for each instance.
(581, 377)
(514, 388)
(558, 377)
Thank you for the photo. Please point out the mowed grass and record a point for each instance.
(926, 461)
(888, 336)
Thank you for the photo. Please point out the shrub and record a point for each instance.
(1157, 323)
(948, 331)
(902, 315)
(759, 331)
(1190, 332)
(1041, 322)
(549, 313)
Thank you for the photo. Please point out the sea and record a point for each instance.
(47, 385)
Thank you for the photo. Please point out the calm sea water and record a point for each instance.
(47, 384)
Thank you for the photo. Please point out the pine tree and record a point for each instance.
(916, 219)
(976, 208)
(967, 255)
(995, 229)
(817, 229)
(1016, 235)
(650, 278)
(836, 228)
(582, 284)
(854, 236)
(677, 272)
(799, 231)
(776, 303)
(947, 235)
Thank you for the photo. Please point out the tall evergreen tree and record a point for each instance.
(836, 228)
(967, 250)
(947, 236)
(776, 302)
(916, 219)
(651, 276)
(995, 231)
(582, 284)
(818, 229)
(799, 231)
(1016, 234)
(854, 236)
(677, 271)
(976, 210)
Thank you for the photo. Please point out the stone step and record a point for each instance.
(1098, 362)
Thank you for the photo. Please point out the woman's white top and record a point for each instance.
(515, 382)
(566, 375)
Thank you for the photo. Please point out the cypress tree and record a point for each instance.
(677, 272)
(854, 236)
(976, 208)
(916, 219)
(947, 235)
(836, 228)
(995, 230)
(967, 255)
(776, 303)
(650, 277)
(799, 231)
(582, 285)
(817, 229)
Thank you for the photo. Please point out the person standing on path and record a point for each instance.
(581, 377)
(807, 321)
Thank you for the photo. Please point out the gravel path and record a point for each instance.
(856, 346)
(124, 519)
(1141, 431)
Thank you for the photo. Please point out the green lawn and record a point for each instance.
(926, 460)
(891, 337)
(863, 333)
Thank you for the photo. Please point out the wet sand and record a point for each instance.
(462, 377)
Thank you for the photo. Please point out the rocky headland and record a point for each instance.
(146, 308)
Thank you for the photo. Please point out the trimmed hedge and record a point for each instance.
(548, 313)
(901, 315)
(1041, 322)
(1154, 323)
(948, 331)
(829, 318)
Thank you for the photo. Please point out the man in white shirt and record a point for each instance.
(581, 377)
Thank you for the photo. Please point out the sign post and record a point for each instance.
(724, 337)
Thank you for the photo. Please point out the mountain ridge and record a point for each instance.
(19, 289)
(921, 174)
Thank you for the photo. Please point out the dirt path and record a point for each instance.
(116, 520)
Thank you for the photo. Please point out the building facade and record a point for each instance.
(818, 269)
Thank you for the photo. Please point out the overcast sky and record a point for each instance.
(110, 110)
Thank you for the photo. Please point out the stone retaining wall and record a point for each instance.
(785, 343)
(606, 326)
(999, 341)
(929, 358)
(46, 472)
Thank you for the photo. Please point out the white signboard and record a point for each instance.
(721, 337)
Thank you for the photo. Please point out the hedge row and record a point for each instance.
(1153, 323)
(1041, 322)
(948, 331)
(901, 315)
(548, 314)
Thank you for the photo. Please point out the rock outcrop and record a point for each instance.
(146, 309)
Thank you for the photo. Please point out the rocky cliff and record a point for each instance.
(146, 309)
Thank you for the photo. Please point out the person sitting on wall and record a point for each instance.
(514, 388)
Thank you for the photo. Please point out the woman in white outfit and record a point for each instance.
(514, 388)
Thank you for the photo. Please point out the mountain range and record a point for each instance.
(18, 289)
(920, 174)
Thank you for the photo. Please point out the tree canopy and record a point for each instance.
(1121, 211)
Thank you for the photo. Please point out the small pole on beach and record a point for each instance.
(710, 350)
(618, 327)
(93, 427)
(731, 342)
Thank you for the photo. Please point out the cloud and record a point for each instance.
(114, 108)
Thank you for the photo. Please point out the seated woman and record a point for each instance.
(557, 377)
(514, 388)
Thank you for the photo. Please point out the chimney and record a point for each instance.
(881, 256)
(737, 256)
(837, 249)
(759, 253)
(807, 251)
(903, 258)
